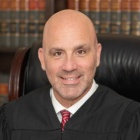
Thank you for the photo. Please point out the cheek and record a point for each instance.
(89, 66)
(51, 69)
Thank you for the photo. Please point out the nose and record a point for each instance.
(69, 64)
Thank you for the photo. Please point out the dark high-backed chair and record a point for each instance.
(119, 68)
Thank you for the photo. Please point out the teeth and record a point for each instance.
(70, 79)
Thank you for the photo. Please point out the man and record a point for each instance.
(70, 56)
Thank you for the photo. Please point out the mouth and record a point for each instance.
(71, 80)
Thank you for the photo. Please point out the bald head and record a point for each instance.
(68, 21)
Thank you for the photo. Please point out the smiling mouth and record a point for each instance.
(70, 80)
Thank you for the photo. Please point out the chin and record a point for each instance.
(72, 93)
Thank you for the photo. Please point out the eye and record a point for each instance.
(57, 53)
(81, 52)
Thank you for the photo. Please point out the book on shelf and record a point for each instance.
(37, 19)
(23, 23)
(73, 4)
(42, 17)
(14, 22)
(3, 93)
(105, 15)
(135, 17)
(115, 21)
(94, 13)
(5, 23)
(33, 21)
(84, 6)
(125, 16)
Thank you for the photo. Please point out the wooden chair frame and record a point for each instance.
(16, 78)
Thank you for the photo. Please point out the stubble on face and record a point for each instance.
(71, 92)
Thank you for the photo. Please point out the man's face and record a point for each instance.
(70, 59)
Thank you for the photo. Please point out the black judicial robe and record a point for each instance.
(105, 116)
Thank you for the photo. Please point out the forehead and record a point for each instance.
(68, 33)
(67, 37)
(69, 42)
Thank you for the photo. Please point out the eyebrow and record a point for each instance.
(55, 49)
(81, 46)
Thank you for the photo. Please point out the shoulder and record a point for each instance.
(113, 102)
(124, 106)
(30, 98)
(25, 105)
(111, 97)
(114, 110)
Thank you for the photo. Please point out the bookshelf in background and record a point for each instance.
(94, 13)
(42, 17)
(22, 21)
(115, 16)
(73, 4)
(33, 21)
(84, 6)
(125, 16)
(3, 93)
(105, 18)
(14, 22)
(115, 19)
(4, 23)
(135, 17)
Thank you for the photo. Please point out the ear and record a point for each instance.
(41, 58)
(99, 48)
